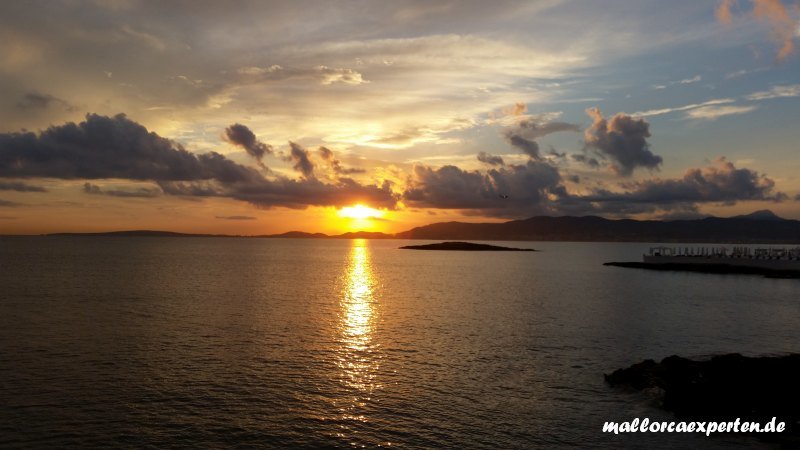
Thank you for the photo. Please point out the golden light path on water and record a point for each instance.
(358, 357)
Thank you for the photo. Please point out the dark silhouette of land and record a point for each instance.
(466, 246)
(141, 233)
(759, 227)
(723, 388)
(709, 268)
(290, 235)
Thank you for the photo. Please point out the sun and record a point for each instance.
(360, 212)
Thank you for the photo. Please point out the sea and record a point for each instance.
(149, 342)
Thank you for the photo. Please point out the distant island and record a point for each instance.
(760, 227)
(466, 246)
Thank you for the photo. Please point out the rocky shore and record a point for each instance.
(725, 387)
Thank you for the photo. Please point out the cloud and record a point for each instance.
(492, 160)
(524, 134)
(792, 90)
(8, 203)
(518, 109)
(783, 26)
(20, 187)
(622, 139)
(658, 112)
(239, 135)
(108, 147)
(327, 155)
(236, 217)
(719, 182)
(331, 75)
(694, 79)
(89, 188)
(715, 112)
(538, 188)
(33, 100)
(585, 159)
(301, 193)
(512, 190)
(723, 11)
(324, 74)
(116, 147)
(301, 159)
(691, 80)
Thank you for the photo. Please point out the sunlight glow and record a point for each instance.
(358, 356)
(360, 211)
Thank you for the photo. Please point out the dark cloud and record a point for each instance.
(8, 203)
(117, 147)
(589, 161)
(492, 160)
(100, 147)
(89, 188)
(301, 159)
(33, 100)
(622, 139)
(327, 155)
(523, 136)
(720, 182)
(537, 188)
(292, 193)
(528, 146)
(20, 187)
(239, 135)
(552, 152)
(192, 188)
(511, 190)
(236, 217)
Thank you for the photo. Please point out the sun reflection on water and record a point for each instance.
(358, 355)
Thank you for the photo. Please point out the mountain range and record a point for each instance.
(758, 227)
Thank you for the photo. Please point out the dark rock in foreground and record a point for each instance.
(468, 246)
(709, 268)
(725, 387)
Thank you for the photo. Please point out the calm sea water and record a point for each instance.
(217, 342)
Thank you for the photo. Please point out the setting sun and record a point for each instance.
(360, 212)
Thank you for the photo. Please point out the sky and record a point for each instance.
(260, 117)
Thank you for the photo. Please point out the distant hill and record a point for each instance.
(141, 233)
(295, 235)
(290, 234)
(348, 235)
(759, 227)
(763, 214)
(364, 235)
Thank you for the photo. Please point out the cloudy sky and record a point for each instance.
(263, 117)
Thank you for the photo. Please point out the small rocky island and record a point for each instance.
(466, 246)
(725, 387)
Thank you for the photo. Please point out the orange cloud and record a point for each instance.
(723, 11)
(775, 14)
(783, 26)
